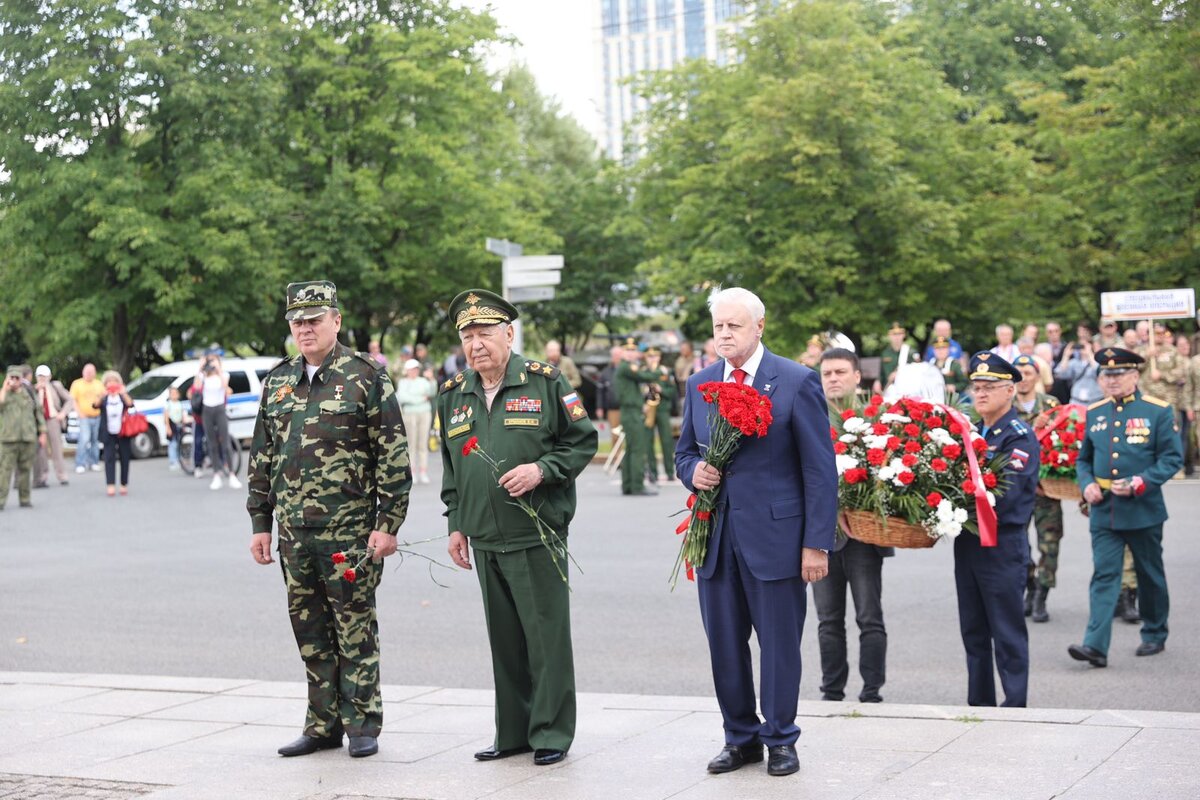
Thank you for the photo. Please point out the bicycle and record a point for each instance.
(187, 455)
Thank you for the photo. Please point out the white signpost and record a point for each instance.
(525, 279)
(1152, 304)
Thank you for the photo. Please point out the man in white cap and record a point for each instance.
(54, 403)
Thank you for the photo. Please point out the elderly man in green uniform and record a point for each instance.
(329, 463)
(631, 379)
(21, 430)
(666, 390)
(1130, 450)
(1033, 407)
(524, 415)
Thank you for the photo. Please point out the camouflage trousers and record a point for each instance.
(1128, 573)
(337, 631)
(17, 457)
(1048, 522)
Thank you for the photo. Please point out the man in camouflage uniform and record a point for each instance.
(1033, 407)
(523, 415)
(330, 463)
(666, 389)
(21, 429)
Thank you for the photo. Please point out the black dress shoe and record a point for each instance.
(310, 744)
(545, 756)
(362, 746)
(492, 754)
(1150, 648)
(782, 760)
(735, 757)
(874, 697)
(1081, 652)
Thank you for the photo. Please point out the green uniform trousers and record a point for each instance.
(662, 432)
(337, 631)
(17, 456)
(1048, 522)
(637, 441)
(1153, 602)
(528, 612)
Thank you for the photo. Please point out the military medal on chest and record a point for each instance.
(461, 414)
(283, 392)
(337, 392)
(523, 405)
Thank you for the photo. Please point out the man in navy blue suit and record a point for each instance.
(774, 526)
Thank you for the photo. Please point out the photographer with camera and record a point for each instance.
(213, 384)
(1078, 368)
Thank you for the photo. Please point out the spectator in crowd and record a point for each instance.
(21, 430)
(685, 364)
(709, 356)
(415, 393)
(942, 329)
(1043, 354)
(896, 353)
(1030, 332)
(1005, 347)
(950, 367)
(113, 405)
(1129, 339)
(1143, 332)
(1055, 340)
(1189, 403)
(54, 403)
(421, 354)
(1078, 369)
(555, 356)
(213, 383)
(1108, 335)
(374, 351)
(608, 406)
(175, 416)
(455, 363)
(85, 391)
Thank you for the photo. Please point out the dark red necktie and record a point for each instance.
(739, 376)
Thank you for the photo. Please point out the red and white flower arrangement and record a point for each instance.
(908, 460)
(1061, 437)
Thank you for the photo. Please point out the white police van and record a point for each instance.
(150, 392)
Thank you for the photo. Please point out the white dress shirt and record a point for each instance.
(750, 367)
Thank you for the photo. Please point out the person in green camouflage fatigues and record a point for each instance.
(524, 415)
(1032, 406)
(21, 428)
(631, 378)
(329, 463)
(667, 392)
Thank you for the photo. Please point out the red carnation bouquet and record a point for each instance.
(1061, 437)
(348, 564)
(737, 410)
(908, 460)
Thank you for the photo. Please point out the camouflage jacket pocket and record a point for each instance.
(342, 420)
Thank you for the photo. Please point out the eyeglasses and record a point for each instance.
(1113, 375)
(988, 388)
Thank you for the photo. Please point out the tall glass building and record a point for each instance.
(639, 35)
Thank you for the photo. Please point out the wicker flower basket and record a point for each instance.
(1061, 489)
(892, 532)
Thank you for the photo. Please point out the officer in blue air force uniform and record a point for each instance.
(1131, 449)
(991, 580)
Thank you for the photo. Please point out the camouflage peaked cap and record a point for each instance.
(480, 307)
(310, 299)
(13, 370)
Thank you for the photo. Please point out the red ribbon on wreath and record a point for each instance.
(985, 515)
(1058, 419)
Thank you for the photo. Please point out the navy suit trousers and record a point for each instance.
(732, 604)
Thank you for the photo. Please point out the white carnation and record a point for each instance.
(875, 442)
(991, 499)
(940, 436)
(855, 425)
(887, 473)
(845, 462)
(890, 418)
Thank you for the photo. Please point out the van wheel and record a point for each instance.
(145, 444)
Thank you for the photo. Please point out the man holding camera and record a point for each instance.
(21, 429)
(1130, 450)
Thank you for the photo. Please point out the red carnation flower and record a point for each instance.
(870, 411)
(906, 478)
(350, 575)
(471, 444)
(938, 465)
(989, 480)
(856, 475)
(955, 428)
(912, 447)
(909, 460)
(849, 414)
(833, 434)
(876, 399)
(933, 498)
(839, 447)
(1067, 437)
(951, 451)
(934, 421)
(968, 486)
(339, 558)
(1079, 430)
(912, 430)
(703, 516)
(879, 429)
(979, 445)
(876, 457)
(893, 443)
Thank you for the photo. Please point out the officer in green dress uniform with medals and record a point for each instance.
(1131, 448)
(666, 390)
(524, 415)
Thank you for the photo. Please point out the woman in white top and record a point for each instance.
(214, 384)
(415, 393)
(113, 405)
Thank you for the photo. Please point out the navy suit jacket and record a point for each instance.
(781, 489)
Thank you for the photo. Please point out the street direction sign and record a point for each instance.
(513, 280)
(531, 263)
(531, 294)
(503, 247)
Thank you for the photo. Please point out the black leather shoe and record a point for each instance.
(363, 746)
(874, 697)
(735, 757)
(545, 756)
(306, 745)
(492, 754)
(782, 760)
(1150, 648)
(1081, 652)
